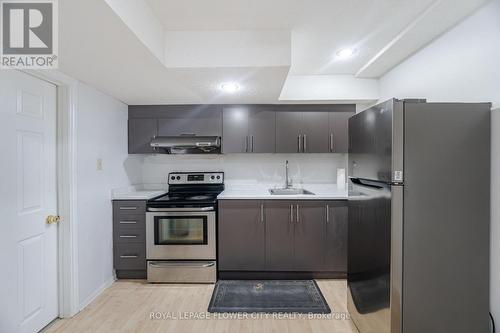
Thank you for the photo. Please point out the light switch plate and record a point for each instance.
(99, 164)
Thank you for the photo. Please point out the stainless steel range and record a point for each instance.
(181, 231)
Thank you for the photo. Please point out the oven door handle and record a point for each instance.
(181, 264)
(191, 209)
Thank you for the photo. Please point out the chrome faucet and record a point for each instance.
(288, 182)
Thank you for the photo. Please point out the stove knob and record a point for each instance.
(173, 177)
(178, 177)
(212, 177)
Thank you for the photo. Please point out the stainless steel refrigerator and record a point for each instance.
(419, 217)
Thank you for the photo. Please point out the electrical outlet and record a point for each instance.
(99, 164)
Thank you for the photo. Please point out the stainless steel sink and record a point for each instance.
(289, 191)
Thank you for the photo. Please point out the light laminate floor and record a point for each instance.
(127, 306)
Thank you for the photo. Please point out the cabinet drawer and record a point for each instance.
(129, 235)
(130, 256)
(124, 207)
(128, 221)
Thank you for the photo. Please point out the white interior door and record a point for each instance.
(28, 246)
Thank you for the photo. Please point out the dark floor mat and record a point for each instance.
(270, 296)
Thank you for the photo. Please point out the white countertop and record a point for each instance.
(139, 192)
(261, 192)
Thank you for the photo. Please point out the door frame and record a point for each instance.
(67, 261)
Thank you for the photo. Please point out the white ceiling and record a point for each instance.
(166, 51)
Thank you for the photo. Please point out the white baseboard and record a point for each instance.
(96, 293)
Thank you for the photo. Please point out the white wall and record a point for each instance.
(101, 133)
(462, 65)
(263, 168)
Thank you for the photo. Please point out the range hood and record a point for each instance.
(187, 144)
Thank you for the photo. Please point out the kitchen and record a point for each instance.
(221, 172)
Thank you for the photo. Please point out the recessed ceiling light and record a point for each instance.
(229, 87)
(345, 53)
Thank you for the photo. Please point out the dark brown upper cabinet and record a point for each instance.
(174, 120)
(338, 131)
(199, 121)
(302, 132)
(288, 125)
(140, 133)
(313, 129)
(248, 129)
(245, 128)
(315, 132)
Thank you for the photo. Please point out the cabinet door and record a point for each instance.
(198, 122)
(262, 131)
(315, 132)
(338, 136)
(235, 137)
(241, 235)
(279, 235)
(288, 125)
(310, 235)
(336, 237)
(140, 133)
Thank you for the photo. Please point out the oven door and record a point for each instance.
(180, 235)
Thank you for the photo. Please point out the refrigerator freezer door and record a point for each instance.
(376, 143)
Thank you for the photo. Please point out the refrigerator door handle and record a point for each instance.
(366, 183)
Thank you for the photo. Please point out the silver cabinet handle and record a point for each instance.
(128, 208)
(331, 142)
(327, 213)
(180, 264)
(291, 213)
(305, 143)
(128, 236)
(299, 139)
(128, 222)
(297, 212)
(262, 213)
(252, 143)
(129, 257)
(246, 144)
(200, 209)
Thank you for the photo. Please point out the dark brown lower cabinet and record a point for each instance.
(129, 239)
(279, 236)
(336, 237)
(309, 243)
(282, 236)
(241, 235)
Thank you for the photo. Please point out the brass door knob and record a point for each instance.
(51, 219)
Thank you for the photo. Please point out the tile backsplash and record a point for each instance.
(261, 168)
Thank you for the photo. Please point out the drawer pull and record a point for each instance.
(181, 264)
(128, 208)
(128, 236)
(129, 257)
(128, 222)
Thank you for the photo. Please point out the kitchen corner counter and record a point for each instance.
(261, 192)
(138, 192)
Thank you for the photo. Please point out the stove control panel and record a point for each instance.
(183, 178)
